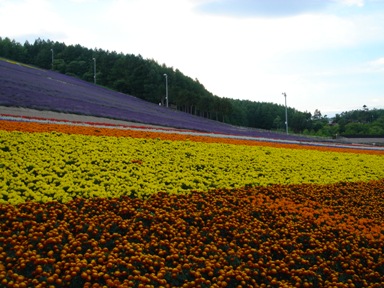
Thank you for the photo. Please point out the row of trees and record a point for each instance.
(144, 78)
(356, 123)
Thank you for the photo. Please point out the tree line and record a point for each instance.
(144, 78)
(362, 122)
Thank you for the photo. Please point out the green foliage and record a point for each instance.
(361, 123)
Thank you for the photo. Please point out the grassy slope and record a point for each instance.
(29, 87)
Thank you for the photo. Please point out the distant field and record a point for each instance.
(46, 90)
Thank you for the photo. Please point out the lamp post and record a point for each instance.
(52, 59)
(286, 113)
(166, 89)
(94, 70)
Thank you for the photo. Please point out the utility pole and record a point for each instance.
(52, 59)
(166, 89)
(94, 70)
(286, 112)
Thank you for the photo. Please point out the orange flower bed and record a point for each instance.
(281, 236)
(116, 132)
(306, 235)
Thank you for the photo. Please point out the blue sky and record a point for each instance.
(324, 54)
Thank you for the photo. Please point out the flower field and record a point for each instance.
(25, 86)
(86, 206)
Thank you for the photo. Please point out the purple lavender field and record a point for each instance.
(29, 87)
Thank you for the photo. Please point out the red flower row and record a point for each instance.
(116, 132)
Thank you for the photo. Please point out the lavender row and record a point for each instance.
(28, 87)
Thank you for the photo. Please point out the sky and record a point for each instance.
(324, 54)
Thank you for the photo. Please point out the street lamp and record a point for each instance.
(52, 59)
(286, 113)
(94, 70)
(166, 89)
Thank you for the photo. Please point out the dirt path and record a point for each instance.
(51, 115)
(26, 112)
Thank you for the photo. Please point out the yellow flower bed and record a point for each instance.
(53, 166)
(316, 220)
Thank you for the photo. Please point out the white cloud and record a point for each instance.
(253, 58)
(83, 1)
(378, 62)
(31, 17)
(261, 8)
(376, 65)
(37, 18)
(358, 3)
